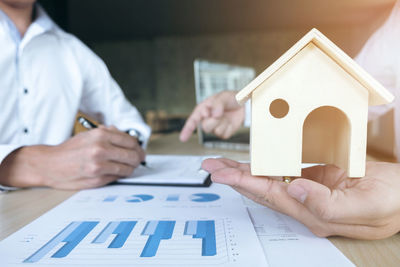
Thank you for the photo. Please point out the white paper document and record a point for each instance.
(169, 169)
(140, 226)
(287, 242)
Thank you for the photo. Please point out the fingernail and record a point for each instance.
(297, 192)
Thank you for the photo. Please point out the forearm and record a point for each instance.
(89, 159)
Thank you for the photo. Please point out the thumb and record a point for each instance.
(316, 197)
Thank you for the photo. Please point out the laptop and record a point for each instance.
(212, 78)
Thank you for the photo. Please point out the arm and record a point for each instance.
(102, 98)
(324, 198)
(89, 159)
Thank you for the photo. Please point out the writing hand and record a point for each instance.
(89, 159)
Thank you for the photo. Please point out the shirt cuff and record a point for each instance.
(145, 133)
(5, 150)
(247, 113)
(4, 189)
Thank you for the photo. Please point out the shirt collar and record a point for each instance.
(41, 24)
(42, 20)
(15, 35)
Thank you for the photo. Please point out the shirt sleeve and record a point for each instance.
(5, 150)
(102, 98)
(4, 189)
(380, 58)
(247, 114)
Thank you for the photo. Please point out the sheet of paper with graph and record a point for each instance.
(140, 226)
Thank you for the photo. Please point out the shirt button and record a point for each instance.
(26, 91)
(26, 130)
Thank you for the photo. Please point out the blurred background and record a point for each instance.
(149, 45)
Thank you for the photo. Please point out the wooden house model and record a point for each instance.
(311, 106)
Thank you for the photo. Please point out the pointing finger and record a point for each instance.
(191, 123)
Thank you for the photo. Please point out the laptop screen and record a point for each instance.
(214, 77)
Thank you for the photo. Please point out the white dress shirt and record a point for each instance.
(45, 78)
(380, 56)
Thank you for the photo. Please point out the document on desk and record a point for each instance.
(140, 226)
(170, 170)
(287, 242)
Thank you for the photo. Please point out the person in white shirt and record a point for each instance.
(47, 75)
(324, 198)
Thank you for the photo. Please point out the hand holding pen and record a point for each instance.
(90, 125)
(86, 160)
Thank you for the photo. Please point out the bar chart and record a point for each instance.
(190, 240)
(157, 231)
(206, 231)
(72, 235)
(121, 229)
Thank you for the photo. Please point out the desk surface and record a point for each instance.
(21, 207)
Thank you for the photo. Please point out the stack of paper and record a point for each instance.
(175, 170)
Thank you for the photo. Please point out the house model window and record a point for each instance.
(279, 108)
(317, 101)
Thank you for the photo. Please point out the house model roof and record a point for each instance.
(378, 95)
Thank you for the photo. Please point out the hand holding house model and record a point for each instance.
(311, 106)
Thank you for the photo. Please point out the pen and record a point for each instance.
(90, 125)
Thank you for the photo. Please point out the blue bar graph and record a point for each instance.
(72, 235)
(174, 197)
(110, 198)
(122, 229)
(156, 230)
(206, 231)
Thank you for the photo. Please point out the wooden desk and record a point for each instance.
(21, 207)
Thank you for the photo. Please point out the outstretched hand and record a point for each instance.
(219, 114)
(324, 199)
